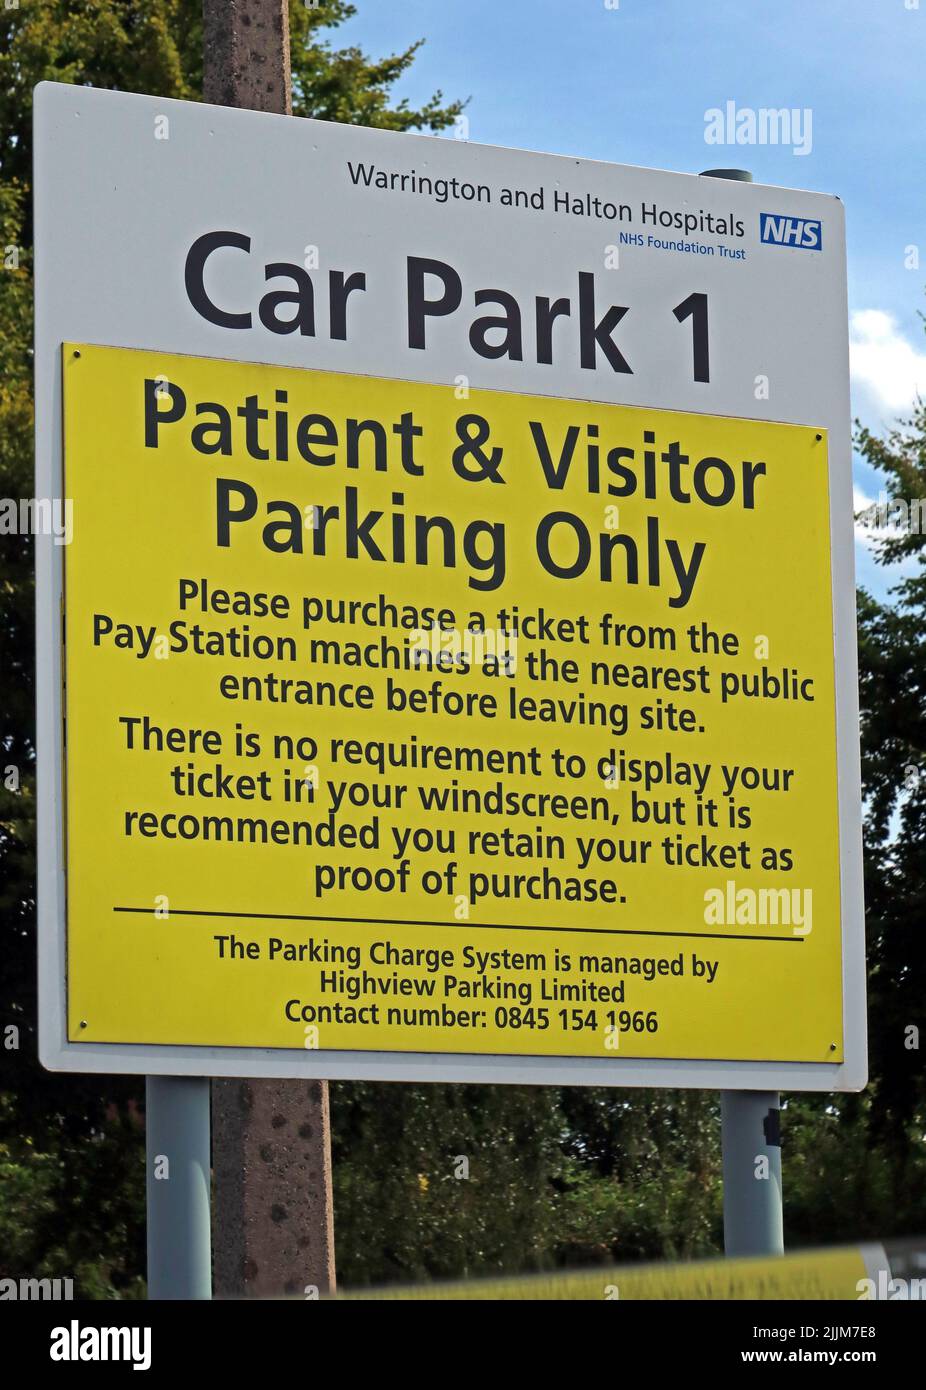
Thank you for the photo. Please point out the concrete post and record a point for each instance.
(272, 1173)
(246, 54)
(271, 1152)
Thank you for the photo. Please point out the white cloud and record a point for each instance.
(884, 363)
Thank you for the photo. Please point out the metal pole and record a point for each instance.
(751, 1137)
(178, 1172)
(753, 1222)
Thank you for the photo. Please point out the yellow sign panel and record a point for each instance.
(411, 718)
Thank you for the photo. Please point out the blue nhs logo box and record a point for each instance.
(791, 231)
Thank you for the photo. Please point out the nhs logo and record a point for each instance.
(791, 231)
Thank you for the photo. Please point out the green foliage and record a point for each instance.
(405, 1210)
(650, 1161)
(74, 1206)
(553, 1178)
(845, 1179)
(345, 85)
(892, 660)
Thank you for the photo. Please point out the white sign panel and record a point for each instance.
(569, 355)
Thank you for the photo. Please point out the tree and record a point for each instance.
(856, 1165)
(892, 661)
(435, 1182)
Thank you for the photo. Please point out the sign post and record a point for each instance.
(178, 1187)
(753, 1222)
(753, 1216)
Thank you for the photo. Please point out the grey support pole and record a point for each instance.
(752, 1212)
(178, 1187)
(750, 1120)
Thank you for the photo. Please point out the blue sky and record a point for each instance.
(631, 82)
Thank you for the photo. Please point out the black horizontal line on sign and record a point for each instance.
(457, 926)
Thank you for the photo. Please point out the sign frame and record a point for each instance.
(58, 322)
